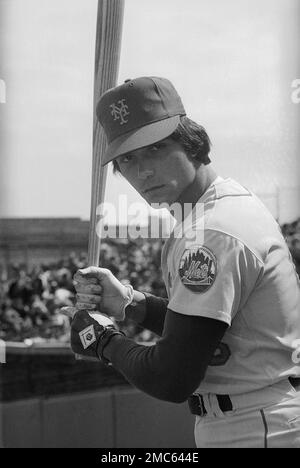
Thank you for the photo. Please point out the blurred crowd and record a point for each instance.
(31, 299)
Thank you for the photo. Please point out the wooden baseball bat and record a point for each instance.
(107, 56)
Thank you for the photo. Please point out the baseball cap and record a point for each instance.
(138, 113)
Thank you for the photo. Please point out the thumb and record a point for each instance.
(69, 311)
(92, 272)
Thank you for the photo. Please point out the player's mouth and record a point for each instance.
(152, 189)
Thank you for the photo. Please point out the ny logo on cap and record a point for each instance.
(120, 112)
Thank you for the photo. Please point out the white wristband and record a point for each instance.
(128, 300)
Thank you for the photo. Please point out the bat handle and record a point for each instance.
(80, 357)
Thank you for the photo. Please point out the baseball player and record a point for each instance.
(230, 329)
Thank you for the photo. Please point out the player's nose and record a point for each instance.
(144, 174)
(145, 171)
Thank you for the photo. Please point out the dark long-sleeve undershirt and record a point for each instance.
(173, 368)
(156, 309)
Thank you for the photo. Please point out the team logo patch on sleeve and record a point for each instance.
(198, 268)
(87, 336)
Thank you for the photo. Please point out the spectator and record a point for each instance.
(30, 300)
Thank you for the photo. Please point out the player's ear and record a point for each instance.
(116, 167)
(193, 157)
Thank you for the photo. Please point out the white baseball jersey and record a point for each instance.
(237, 269)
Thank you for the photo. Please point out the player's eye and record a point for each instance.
(155, 147)
(126, 158)
(158, 146)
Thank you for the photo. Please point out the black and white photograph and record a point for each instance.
(149, 226)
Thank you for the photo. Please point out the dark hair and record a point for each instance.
(192, 137)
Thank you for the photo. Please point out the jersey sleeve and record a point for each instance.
(213, 279)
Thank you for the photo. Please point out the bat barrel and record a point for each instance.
(107, 56)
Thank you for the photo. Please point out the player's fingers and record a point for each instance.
(78, 278)
(88, 288)
(89, 273)
(88, 298)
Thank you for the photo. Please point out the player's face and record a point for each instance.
(160, 172)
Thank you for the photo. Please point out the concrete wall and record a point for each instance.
(115, 418)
